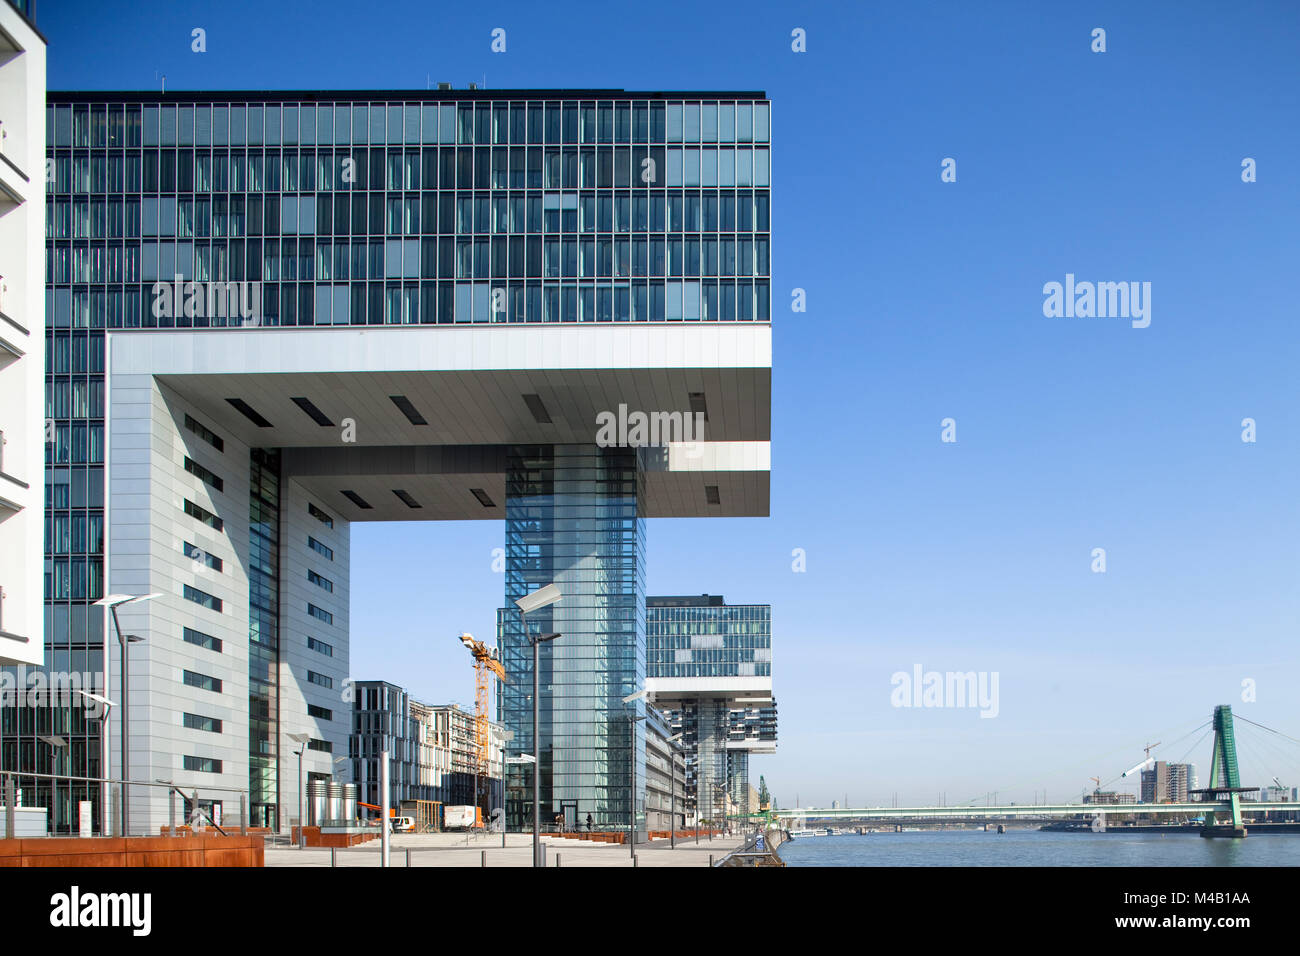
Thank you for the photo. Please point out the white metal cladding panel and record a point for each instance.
(448, 348)
(147, 531)
(296, 625)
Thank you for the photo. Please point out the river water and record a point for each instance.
(1040, 848)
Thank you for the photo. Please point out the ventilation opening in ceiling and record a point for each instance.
(482, 497)
(540, 414)
(357, 500)
(314, 413)
(241, 406)
(404, 405)
(711, 494)
(407, 499)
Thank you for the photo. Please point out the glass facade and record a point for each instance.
(574, 519)
(264, 637)
(419, 209)
(688, 638)
(423, 207)
(703, 637)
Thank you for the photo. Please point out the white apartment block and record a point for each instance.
(22, 338)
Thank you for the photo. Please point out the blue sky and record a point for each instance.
(924, 302)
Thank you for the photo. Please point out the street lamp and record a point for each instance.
(301, 740)
(113, 602)
(56, 743)
(631, 759)
(542, 597)
(107, 705)
(673, 751)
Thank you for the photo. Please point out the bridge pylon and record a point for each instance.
(1225, 780)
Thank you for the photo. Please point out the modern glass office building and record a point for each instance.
(575, 518)
(468, 277)
(709, 667)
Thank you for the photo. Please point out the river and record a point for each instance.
(1040, 848)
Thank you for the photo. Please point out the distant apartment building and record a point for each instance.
(22, 338)
(1168, 782)
(431, 749)
(709, 668)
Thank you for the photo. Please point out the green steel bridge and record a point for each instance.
(1221, 808)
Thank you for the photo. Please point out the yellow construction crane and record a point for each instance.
(485, 662)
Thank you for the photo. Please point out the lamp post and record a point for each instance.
(542, 597)
(301, 740)
(113, 602)
(107, 705)
(631, 761)
(56, 744)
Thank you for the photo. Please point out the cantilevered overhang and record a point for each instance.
(429, 411)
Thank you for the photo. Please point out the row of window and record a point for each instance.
(445, 213)
(74, 353)
(320, 647)
(202, 598)
(68, 533)
(195, 722)
(201, 681)
(320, 581)
(199, 639)
(376, 303)
(496, 122)
(209, 436)
(273, 261)
(202, 764)
(204, 474)
(204, 515)
(198, 555)
(651, 168)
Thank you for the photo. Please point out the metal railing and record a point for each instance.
(118, 792)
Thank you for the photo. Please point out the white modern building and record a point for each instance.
(22, 337)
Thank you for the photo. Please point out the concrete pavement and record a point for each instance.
(456, 849)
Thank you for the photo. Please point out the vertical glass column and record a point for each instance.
(263, 637)
(574, 518)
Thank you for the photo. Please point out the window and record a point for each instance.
(202, 597)
(319, 614)
(206, 434)
(324, 746)
(319, 581)
(320, 647)
(320, 679)
(321, 549)
(202, 764)
(199, 639)
(204, 515)
(201, 681)
(319, 515)
(195, 722)
(197, 554)
(321, 713)
(203, 474)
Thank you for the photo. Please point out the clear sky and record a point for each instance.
(924, 302)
